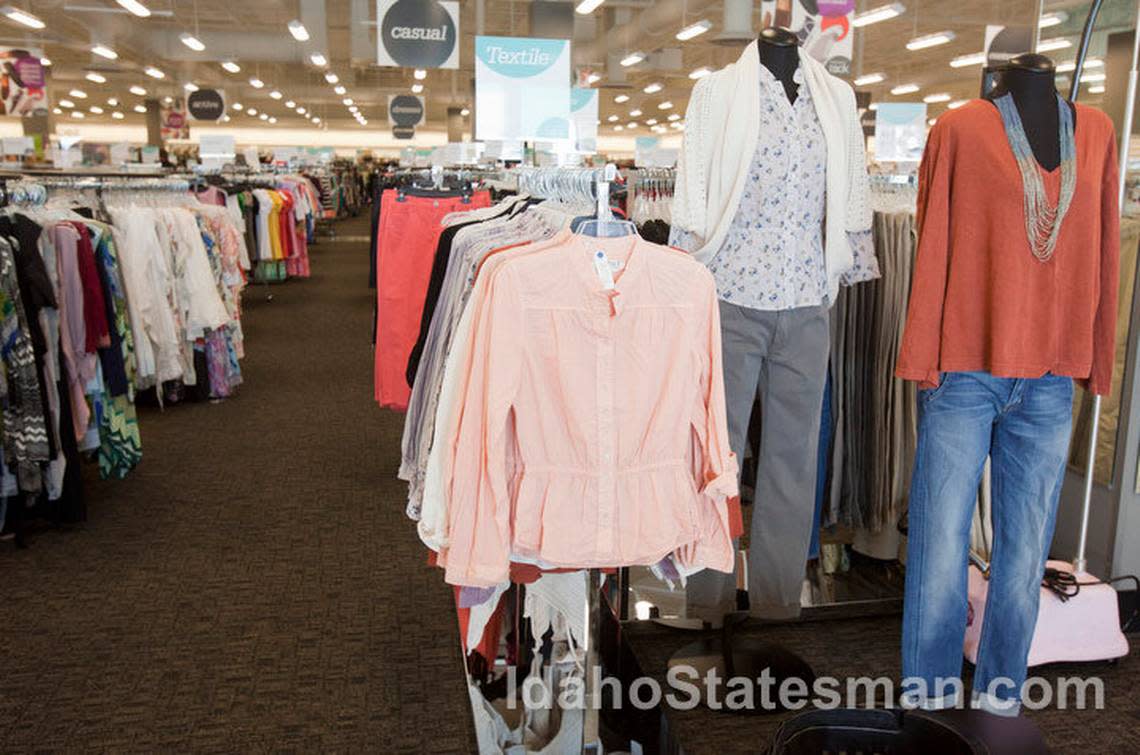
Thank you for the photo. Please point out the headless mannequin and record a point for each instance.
(1029, 78)
(779, 53)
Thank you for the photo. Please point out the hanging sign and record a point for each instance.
(1004, 43)
(206, 105)
(23, 82)
(900, 131)
(216, 150)
(417, 33)
(522, 88)
(584, 119)
(404, 132)
(405, 110)
(175, 124)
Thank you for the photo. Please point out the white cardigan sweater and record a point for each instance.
(721, 131)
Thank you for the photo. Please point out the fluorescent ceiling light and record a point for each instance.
(634, 113)
(354, 109)
(191, 41)
(593, 78)
(970, 59)
(875, 15)
(231, 66)
(137, 90)
(168, 99)
(665, 105)
(318, 59)
(956, 104)
(619, 127)
(316, 119)
(1057, 43)
(77, 114)
(22, 17)
(252, 111)
(653, 88)
(45, 61)
(264, 116)
(632, 59)
(694, 30)
(612, 119)
(290, 104)
(674, 116)
(651, 122)
(104, 52)
(96, 110)
(78, 94)
(298, 30)
(135, 8)
(154, 73)
(347, 101)
(465, 112)
(238, 106)
(118, 116)
(1055, 18)
(339, 89)
(273, 119)
(631, 124)
(331, 77)
(417, 88)
(905, 89)
(66, 103)
(931, 122)
(98, 78)
(140, 108)
(276, 95)
(1092, 78)
(930, 40)
(933, 98)
(700, 73)
(1098, 89)
(300, 110)
(870, 78)
(621, 98)
(420, 74)
(190, 86)
(256, 83)
(113, 101)
(1071, 65)
(588, 6)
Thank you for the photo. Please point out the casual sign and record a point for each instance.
(405, 110)
(417, 33)
(206, 105)
(522, 88)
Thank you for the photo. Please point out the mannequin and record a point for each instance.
(779, 53)
(1030, 79)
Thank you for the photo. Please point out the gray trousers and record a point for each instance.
(779, 358)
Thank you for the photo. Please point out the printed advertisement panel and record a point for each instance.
(522, 88)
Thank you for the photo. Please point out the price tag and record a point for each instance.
(602, 268)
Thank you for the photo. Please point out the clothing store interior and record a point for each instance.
(768, 434)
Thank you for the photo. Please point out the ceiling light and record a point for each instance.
(168, 99)
(631, 124)
(45, 61)
(1071, 65)
(465, 112)
(653, 88)
(933, 98)
(870, 78)
(956, 104)
(137, 90)
(612, 119)
(252, 111)
(135, 7)
(273, 119)
(113, 101)
(66, 103)
(264, 116)
(154, 73)
(190, 87)
(634, 113)
(970, 59)
(238, 106)
(665, 105)
(140, 108)
(621, 98)
(118, 116)
(875, 15)
(694, 30)
(1055, 18)
(587, 6)
(191, 41)
(651, 122)
(300, 110)
(930, 40)
(347, 100)
(290, 104)
(593, 78)
(318, 60)
(256, 83)
(276, 94)
(1092, 78)
(78, 94)
(1098, 89)
(339, 89)
(417, 88)
(77, 114)
(1049, 45)
(905, 89)
(22, 17)
(316, 119)
(104, 52)
(225, 119)
(700, 73)
(931, 122)
(420, 74)
(353, 109)
(298, 30)
(331, 77)
(632, 59)
(98, 78)
(231, 66)
(96, 110)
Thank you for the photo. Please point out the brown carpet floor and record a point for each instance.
(254, 584)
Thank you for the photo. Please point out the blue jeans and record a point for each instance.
(1023, 425)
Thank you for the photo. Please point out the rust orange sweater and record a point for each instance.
(980, 300)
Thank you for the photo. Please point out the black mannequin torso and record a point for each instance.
(779, 53)
(1030, 79)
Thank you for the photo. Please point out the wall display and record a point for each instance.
(584, 119)
(824, 28)
(417, 33)
(23, 82)
(206, 105)
(900, 131)
(522, 88)
(175, 123)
